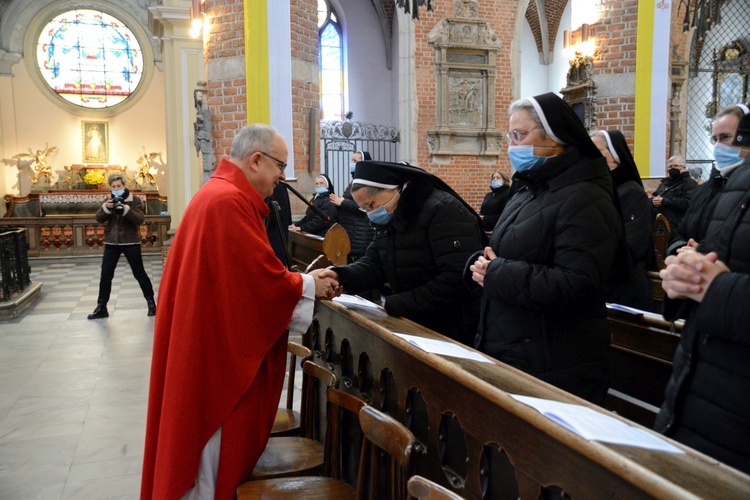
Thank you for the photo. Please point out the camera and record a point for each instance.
(119, 208)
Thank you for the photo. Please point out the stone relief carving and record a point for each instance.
(466, 49)
(466, 8)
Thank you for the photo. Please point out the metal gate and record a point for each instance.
(340, 139)
(717, 77)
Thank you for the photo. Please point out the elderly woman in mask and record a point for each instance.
(424, 232)
(351, 218)
(312, 222)
(636, 218)
(546, 271)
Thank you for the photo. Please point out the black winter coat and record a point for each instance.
(543, 308)
(492, 206)
(420, 255)
(636, 217)
(676, 195)
(356, 223)
(702, 203)
(707, 404)
(315, 224)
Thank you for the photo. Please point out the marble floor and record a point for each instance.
(73, 392)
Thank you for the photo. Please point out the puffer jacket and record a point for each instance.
(420, 255)
(356, 223)
(702, 203)
(314, 223)
(543, 308)
(707, 399)
(492, 206)
(122, 229)
(636, 217)
(676, 195)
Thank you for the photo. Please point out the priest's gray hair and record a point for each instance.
(251, 139)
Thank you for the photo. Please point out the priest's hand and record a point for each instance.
(326, 285)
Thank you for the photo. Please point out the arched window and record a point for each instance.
(89, 58)
(331, 58)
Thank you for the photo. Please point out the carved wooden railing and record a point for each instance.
(81, 234)
(477, 440)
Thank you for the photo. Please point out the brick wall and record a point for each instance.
(615, 55)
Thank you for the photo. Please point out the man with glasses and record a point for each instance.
(672, 197)
(226, 306)
(692, 229)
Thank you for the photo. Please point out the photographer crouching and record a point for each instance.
(123, 213)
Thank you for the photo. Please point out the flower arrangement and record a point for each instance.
(93, 178)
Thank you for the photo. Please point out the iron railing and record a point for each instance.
(14, 263)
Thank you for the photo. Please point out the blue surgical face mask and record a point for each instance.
(351, 167)
(380, 216)
(321, 190)
(726, 156)
(523, 158)
(118, 192)
(496, 184)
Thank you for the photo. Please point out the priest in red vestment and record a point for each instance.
(219, 355)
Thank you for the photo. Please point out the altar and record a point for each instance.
(62, 223)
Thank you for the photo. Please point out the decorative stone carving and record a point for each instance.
(465, 70)
(580, 89)
(202, 129)
(466, 8)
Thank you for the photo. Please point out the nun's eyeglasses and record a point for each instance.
(280, 164)
(518, 135)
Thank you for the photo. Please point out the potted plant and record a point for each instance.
(93, 179)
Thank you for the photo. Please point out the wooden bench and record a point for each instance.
(306, 249)
(642, 349)
(476, 440)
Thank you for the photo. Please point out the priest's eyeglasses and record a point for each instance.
(518, 135)
(280, 164)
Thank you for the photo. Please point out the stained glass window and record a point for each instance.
(331, 62)
(89, 58)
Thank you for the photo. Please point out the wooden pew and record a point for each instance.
(642, 349)
(478, 441)
(306, 248)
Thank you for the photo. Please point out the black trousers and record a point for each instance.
(109, 263)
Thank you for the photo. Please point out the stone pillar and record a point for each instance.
(183, 68)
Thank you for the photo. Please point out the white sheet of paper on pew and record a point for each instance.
(627, 309)
(443, 348)
(593, 425)
(355, 302)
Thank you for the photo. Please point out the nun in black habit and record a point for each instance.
(424, 232)
(636, 218)
(552, 253)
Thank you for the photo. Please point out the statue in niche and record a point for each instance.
(465, 99)
(580, 69)
(202, 129)
(38, 162)
(144, 168)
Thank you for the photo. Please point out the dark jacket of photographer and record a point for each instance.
(122, 229)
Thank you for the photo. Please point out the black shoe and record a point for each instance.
(151, 307)
(99, 312)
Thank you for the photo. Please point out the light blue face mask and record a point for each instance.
(351, 167)
(523, 158)
(321, 190)
(726, 156)
(496, 184)
(380, 216)
(118, 192)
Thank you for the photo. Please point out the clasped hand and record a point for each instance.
(479, 268)
(689, 274)
(326, 284)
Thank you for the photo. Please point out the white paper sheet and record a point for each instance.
(354, 302)
(593, 425)
(443, 348)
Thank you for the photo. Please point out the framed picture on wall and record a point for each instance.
(95, 141)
